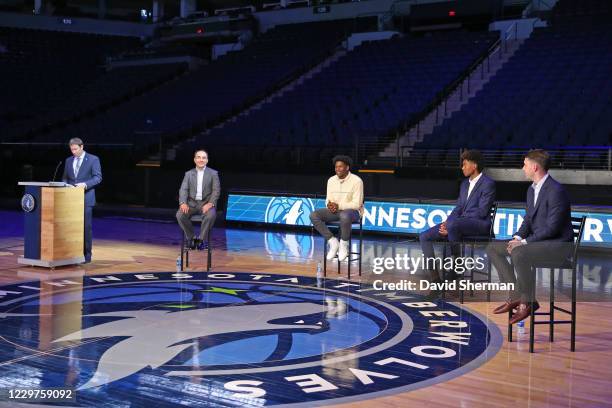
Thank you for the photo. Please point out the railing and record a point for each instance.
(235, 10)
(465, 77)
(370, 146)
(512, 29)
(590, 158)
(429, 157)
(367, 146)
(157, 52)
(35, 151)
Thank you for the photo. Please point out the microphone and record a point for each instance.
(56, 169)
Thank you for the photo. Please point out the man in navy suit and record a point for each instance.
(542, 237)
(471, 215)
(83, 170)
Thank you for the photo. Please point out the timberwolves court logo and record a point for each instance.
(228, 339)
(289, 210)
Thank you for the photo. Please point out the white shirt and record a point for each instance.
(473, 184)
(537, 187)
(200, 174)
(346, 192)
(74, 163)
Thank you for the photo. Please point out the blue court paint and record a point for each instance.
(204, 341)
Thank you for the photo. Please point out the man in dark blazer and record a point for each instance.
(471, 215)
(198, 194)
(542, 237)
(83, 169)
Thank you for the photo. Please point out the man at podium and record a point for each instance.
(83, 170)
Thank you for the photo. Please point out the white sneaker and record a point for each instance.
(333, 248)
(344, 250)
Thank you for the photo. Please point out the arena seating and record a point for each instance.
(217, 90)
(55, 85)
(103, 92)
(553, 93)
(38, 68)
(370, 91)
(578, 8)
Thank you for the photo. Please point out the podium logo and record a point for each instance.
(28, 203)
(289, 210)
(230, 339)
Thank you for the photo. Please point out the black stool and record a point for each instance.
(569, 263)
(352, 255)
(471, 242)
(185, 249)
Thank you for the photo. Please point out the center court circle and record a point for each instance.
(232, 339)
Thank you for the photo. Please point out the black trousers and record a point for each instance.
(88, 238)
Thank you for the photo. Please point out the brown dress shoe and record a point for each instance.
(523, 311)
(506, 307)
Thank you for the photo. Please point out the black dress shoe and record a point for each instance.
(193, 244)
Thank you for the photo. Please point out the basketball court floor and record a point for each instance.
(263, 329)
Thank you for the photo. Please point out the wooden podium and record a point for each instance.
(54, 224)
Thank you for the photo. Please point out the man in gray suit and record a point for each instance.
(198, 195)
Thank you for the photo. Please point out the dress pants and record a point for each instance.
(523, 257)
(457, 228)
(208, 220)
(88, 237)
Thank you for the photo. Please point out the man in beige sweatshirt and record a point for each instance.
(344, 203)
